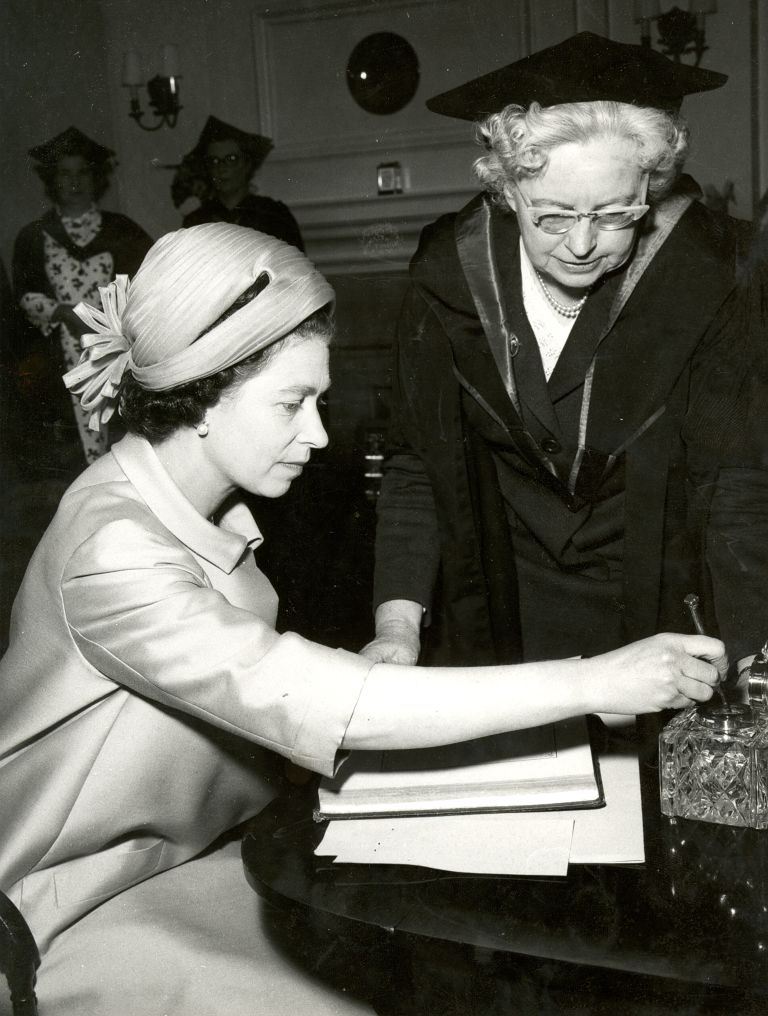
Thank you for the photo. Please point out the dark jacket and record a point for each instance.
(254, 211)
(605, 472)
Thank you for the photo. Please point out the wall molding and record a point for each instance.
(358, 231)
(408, 205)
(270, 25)
(361, 143)
(366, 237)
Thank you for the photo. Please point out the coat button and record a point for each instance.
(514, 345)
(550, 445)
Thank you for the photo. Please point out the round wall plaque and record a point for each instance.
(383, 73)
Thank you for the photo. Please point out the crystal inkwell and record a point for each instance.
(713, 758)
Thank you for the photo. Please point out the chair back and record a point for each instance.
(19, 959)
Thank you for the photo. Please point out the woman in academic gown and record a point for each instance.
(546, 491)
(226, 158)
(59, 261)
(146, 697)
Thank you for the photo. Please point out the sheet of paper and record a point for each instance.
(512, 843)
(614, 834)
(488, 844)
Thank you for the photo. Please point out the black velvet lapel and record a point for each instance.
(528, 366)
(484, 360)
(488, 247)
(574, 361)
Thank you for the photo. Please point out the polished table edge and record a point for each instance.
(696, 911)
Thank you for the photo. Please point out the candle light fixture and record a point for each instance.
(682, 32)
(163, 88)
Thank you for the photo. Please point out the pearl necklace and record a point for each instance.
(561, 308)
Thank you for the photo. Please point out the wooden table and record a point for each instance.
(687, 932)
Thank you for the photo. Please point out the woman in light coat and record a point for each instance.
(146, 697)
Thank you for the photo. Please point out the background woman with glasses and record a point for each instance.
(545, 494)
(219, 171)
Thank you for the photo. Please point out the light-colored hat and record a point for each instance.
(153, 325)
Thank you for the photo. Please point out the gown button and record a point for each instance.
(550, 445)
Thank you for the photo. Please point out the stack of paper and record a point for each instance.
(506, 843)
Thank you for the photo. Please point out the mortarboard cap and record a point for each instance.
(70, 142)
(584, 68)
(255, 146)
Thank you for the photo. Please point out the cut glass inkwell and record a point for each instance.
(713, 758)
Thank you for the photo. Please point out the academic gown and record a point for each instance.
(43, 358)
(255, 211)
(122, 237)
(559, 517)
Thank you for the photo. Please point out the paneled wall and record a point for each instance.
(279, 67)
(341, 213)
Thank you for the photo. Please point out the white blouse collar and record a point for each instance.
(89, 216)
(222, 544)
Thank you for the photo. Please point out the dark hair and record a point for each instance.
(157, 415)
(102, 173)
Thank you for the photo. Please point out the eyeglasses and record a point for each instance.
(212, 161)
(559, 220)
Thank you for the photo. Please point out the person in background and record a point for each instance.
(226, 158)
(63, 259)
(9, 332)
(151, 717)
(555, 432)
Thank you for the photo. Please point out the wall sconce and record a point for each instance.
(163, 89)
(681, 32)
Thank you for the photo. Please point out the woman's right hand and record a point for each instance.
(394, 643)
(667, 671)
(398, 633)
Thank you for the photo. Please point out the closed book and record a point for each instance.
(541, 768)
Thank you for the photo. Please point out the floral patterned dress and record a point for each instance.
(73, 281)
(62, 259)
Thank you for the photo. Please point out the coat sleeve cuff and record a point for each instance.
(338, 678)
